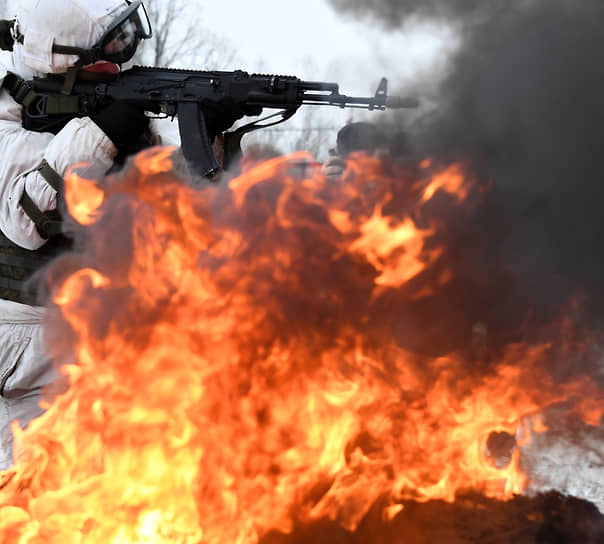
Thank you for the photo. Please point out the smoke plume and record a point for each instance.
(394, 12)
(522, 103)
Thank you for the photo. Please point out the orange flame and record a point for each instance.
(395, 251)
(83, 196)
(450, 180)
(235, 374)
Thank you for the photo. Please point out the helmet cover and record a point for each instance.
(43, 23)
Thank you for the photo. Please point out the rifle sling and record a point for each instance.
(61, 104)
(56, 104)
(19, 89)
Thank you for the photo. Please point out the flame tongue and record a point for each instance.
(236, 367)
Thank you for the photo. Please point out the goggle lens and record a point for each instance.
(120, 42)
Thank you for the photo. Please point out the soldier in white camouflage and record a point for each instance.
(63, 37)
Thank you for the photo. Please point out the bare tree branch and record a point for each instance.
(180, 39)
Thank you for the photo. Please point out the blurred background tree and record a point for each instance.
(181, 39)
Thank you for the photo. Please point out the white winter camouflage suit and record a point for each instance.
(24, 369)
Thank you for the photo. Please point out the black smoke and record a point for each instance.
(522, 102)
(394, 13)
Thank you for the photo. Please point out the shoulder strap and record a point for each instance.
(47, 223)
(23, 93)
(19, 89)
(52, 177)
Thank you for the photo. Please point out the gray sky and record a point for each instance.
(275, 36)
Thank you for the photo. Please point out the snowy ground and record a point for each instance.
(568, 458)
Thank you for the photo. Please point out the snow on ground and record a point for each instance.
(569, 458)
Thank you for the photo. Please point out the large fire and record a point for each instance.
(237, 370)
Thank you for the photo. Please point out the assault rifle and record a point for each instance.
(203, 102)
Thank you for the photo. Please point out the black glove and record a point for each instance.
(125, 125)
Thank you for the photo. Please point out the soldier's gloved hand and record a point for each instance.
(124, 124)
(334, 167)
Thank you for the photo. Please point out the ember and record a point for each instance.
(239, 372)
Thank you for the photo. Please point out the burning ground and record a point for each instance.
(241, 371)
(521, 103)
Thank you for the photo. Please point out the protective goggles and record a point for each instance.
(119, 42)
